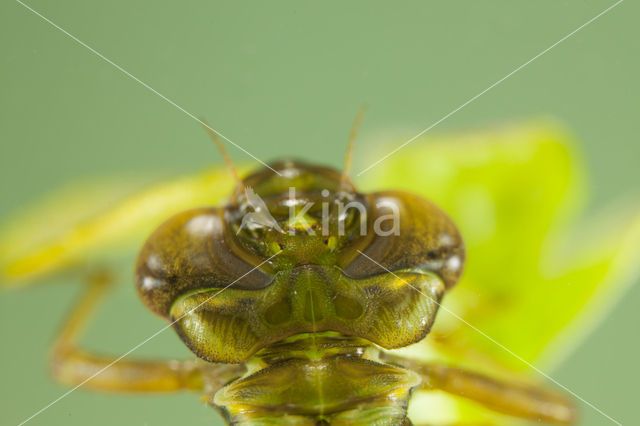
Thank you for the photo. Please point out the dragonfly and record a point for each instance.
(298, 310)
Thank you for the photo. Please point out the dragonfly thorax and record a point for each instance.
(318, 378)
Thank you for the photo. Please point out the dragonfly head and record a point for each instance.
(297, 252)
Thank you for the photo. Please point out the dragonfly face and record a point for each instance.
(316, 256)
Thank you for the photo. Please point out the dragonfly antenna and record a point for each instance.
(352, 140)
(227, 159)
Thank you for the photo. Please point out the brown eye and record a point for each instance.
(192, 251)
(428, 240)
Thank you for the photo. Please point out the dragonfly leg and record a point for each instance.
(514, 399)
(75, 366)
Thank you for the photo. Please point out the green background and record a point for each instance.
(285, 79)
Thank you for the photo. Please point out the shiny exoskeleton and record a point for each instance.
(306, 302)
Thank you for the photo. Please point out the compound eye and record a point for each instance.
(193, 251)
(407, 232)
